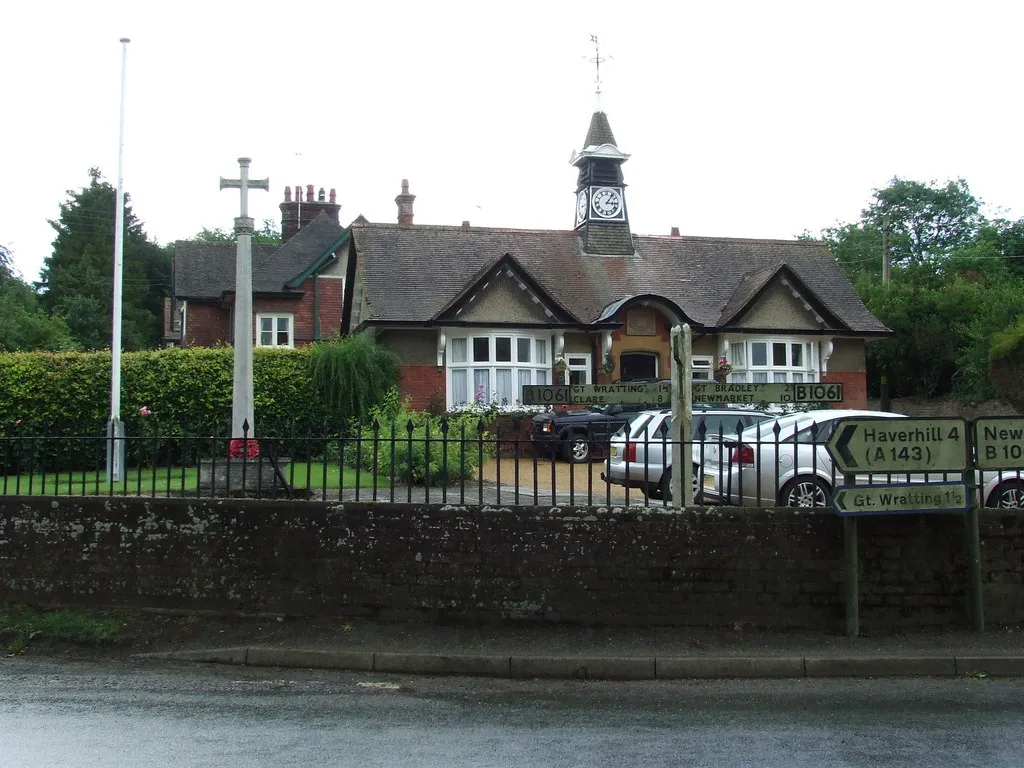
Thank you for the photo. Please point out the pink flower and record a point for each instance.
(16, 423)
(144, 411)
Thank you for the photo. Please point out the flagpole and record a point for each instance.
(115, 428)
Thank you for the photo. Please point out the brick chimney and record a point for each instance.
(675, 232)
(300, 210)
(404, 202)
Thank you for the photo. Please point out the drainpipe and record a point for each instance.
(316, 307)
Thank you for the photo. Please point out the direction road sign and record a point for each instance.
(646, 393)
(767, 393)
(901, 499)
(898, 445)
(1000, 443)
(660, 393)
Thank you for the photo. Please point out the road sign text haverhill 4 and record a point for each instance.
(898, 445)
(1000, 443)
(896, 499)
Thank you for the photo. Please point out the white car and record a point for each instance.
(640, 452)
(784, 462)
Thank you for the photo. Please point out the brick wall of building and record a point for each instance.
(208, 322)
(855, 387)
(424, 385)
(774, 568)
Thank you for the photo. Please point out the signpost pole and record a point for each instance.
(682, 415)
(851, 586)
(977, 609)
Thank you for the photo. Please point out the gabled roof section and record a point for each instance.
(410, 274)
(507, 264)
(756, 282)
(207, 270)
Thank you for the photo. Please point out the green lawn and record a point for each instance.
(175, 480)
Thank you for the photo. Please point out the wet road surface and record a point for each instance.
(80, 715)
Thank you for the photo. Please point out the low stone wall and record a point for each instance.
(773, 568)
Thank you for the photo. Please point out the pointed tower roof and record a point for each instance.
(600, 131)
(600, 141)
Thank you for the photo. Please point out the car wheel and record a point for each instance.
(665, 486)
(1009, 494)
(577, 449)
(805, 492)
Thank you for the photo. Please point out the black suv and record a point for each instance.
(577, 436)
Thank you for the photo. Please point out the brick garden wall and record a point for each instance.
(594, 566)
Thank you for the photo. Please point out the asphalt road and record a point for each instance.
(78, 715)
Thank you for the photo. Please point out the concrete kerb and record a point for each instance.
(609, 668)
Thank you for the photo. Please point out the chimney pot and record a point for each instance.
(333, 197)
(465, 226)
(309, 193)
(298, 194)
(405, 186)
(675, 231)
(287, 194)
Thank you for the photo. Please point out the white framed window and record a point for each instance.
(702, 370)
(275, 330)
(490, 367)
(758, 360)
(577, 368)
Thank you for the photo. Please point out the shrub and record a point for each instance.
(351, 374)
(420, 449)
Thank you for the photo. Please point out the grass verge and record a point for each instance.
(22, 625)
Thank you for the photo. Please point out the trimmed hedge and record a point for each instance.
(68, 393)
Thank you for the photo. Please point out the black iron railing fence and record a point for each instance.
(457, 461)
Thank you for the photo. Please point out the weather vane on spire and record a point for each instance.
(597, 61)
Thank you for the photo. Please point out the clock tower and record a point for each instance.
(601, 217)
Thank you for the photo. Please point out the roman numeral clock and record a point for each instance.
(600, 203)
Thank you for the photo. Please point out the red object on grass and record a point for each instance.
(241, 448)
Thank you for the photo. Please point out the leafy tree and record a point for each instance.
(24, 325)
(927, 220)
(77, 277)
(957, 279)
(268, 234)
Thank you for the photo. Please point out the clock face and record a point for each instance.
(607, 202)
(581, 206)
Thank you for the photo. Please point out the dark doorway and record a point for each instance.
(638, 365)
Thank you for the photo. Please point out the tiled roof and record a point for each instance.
(207, 270)
(700, 274)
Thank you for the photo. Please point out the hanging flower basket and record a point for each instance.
(722, 371)
(608, 366)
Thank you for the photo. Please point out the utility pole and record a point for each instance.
(883, 386)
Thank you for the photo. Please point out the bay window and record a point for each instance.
(773, 360)
(491, 367)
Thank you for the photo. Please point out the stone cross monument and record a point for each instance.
(241, 388)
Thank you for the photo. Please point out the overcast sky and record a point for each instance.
(745, 119)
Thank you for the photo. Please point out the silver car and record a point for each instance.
(784, 462)
(640, 454)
